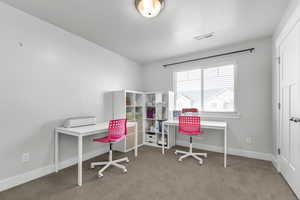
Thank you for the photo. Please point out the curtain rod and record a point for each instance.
(208, 57)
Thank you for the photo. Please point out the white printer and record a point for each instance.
(80, 121)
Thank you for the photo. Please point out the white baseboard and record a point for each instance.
(275, 163)
(26, 177)
(43, 171)
(231, 151)
(87, 156)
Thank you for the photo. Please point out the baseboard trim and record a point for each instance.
(275, 163)
(43, 171)
(231, 151)
(26, 177)
(87, 156)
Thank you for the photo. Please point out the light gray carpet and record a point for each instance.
(153, 176)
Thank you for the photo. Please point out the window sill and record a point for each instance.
(233, 115)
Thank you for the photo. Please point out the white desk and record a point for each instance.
(80, 132)
(205, 125)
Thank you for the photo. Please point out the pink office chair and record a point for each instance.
(190, 125)
(117, 131)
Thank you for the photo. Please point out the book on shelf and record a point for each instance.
(150, 113)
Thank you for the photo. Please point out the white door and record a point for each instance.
(289, 158)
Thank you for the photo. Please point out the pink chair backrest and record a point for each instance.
(189, 110)
(189, 125)
(117, 128)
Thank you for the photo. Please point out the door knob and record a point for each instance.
(295, 119)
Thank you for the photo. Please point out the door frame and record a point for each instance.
(277, 104)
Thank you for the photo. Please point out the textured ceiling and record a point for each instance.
(117, 26)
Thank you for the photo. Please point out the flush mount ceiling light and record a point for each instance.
(149, 8)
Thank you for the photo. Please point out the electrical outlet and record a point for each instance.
(25, 157)
(249, 140)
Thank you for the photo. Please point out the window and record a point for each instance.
(208, 89)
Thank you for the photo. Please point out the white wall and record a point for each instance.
(47, 75)
(254, 96)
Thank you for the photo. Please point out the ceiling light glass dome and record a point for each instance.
(149, 8)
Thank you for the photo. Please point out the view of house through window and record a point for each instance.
(208, 89)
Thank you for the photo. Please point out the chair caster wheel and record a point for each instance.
(127, 160)
(92, 166)
(100, 175)
(201, 162)
(176, 153)
(179, 160)
(124, 171)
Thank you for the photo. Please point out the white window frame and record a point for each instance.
(212, 114)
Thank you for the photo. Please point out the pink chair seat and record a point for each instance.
(109, 139)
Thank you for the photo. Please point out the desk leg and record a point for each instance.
(136, 141)
(225, 147)
(80, 160)
(56, 151)
(163, 137)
